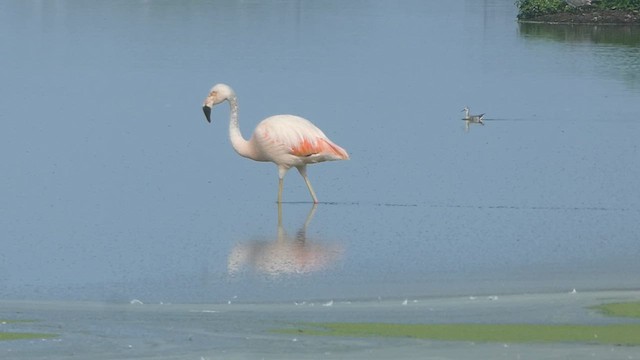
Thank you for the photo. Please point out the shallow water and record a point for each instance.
(115, 188)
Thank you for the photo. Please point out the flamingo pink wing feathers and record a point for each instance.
(301, 138)
(321, 146)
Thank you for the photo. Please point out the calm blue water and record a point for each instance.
(114, 186)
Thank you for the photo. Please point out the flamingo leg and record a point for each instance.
(281, 172)
(280, 190)
(303, 171)
(313, 194)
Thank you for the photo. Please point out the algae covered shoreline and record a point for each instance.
(618, 334)
(13, 335)
(608, 17)
(541, 325)
(603, 12)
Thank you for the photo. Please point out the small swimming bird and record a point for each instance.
(471, 119)
(286, 140)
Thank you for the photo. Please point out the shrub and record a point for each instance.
(532, 8)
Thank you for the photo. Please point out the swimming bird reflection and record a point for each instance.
(285, 255)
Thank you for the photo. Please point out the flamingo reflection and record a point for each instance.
(285, 255)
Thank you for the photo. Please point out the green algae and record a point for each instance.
(24, 336)
(616, 334)
(612, 334)
(4, 336)
(622, 309)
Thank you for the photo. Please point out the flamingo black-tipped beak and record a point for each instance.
(207, 112)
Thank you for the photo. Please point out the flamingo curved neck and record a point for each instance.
(240, 145)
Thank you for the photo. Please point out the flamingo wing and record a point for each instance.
(283, 135)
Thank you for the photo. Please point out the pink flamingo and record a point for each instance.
(286, 140)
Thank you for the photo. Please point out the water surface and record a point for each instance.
(115, 188)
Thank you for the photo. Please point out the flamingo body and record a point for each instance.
(286, 140)
(291, 141)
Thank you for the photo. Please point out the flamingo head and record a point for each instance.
(218, 94)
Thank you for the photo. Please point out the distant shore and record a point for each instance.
(589, 16)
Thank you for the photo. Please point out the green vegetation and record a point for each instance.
(532, 8)
(629, 309)
(618, 334)
(20, 335)
(529, 9)
(24, 336)
(613, 334)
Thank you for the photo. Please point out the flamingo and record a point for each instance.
(286, 140)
